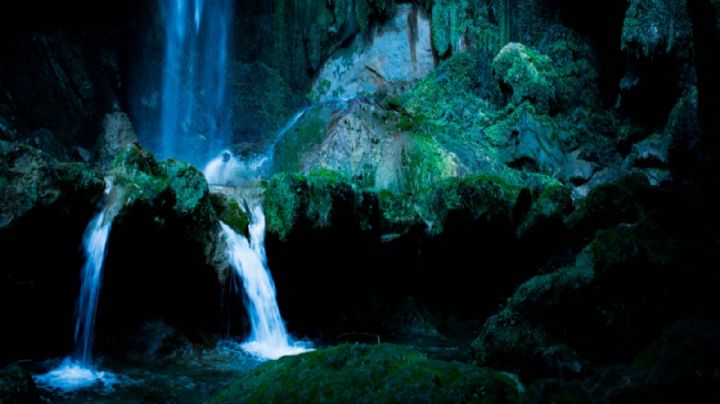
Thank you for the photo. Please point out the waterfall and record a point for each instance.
(268, 337)
(78, 370)
(195, 119)
(94, 243)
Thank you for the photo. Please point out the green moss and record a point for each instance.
(480, 197)
(398, 212)
(653, 26)
(230, 212)
(188, 185)
(527, 74)
(140, 176)
(609, 205)
(615, 248)
(78, 177)
(284, 200)
(362, 373)
(426, 163)
(300, 140)
(452, 95)
(552, 205)
(326, 190)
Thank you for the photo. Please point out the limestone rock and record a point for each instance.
(117, 135)
(397, 54)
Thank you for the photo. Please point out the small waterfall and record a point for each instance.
(285, 129)
(195, 118)
(78, 370)
(222, 170)
(268, 336)
(94, 243)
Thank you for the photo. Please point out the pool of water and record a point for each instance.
(186, 379)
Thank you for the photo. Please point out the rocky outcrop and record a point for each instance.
(367, 143)
(32, 181)
(174, 194)
(117, 135)
(61, 84)
(640, 272)
(397, 54)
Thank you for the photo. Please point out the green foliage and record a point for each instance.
(363, 373)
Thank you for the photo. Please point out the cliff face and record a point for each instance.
(533, 176)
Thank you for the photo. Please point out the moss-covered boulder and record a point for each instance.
(678, 366)
(174, 195)
(365, 373)
(326, 198)
(174, 185)
(610, 204)
(548, 213)
(368, 144)
(31, 181)
(519, 337)
(628, 284)
(476, 198)
(314, 200)
(230, 212)
(525, 75)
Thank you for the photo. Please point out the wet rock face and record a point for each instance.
(386, 61)
(367, 143)
(117, 135)
(57, 83)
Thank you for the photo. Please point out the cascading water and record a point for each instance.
(195, 116)
(78, 370)
(268, 336)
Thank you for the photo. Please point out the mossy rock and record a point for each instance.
(229, 212)
(31, 180)
(146, 182)
(550, 208)
(609, 205)
(524, 74)
(323, 198)
(17, 386)
(525, 335)
(291, 149)
(478, 198)
(189, 186)
(291, 199)
(369, 373)
(656, 27)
